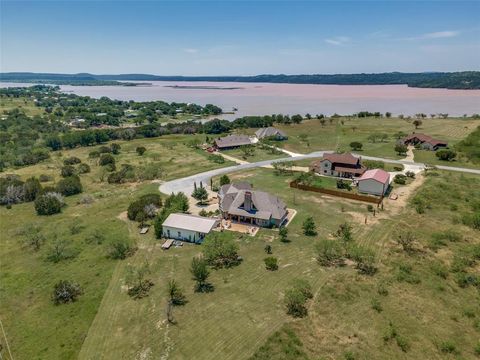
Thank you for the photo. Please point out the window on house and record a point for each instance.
(179, 234)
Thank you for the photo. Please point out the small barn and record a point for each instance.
(375, 182)
(187, 227)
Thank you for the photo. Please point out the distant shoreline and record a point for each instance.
(193, 87)
(464, 80)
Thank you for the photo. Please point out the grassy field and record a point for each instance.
(36, 329)
(259, 154)
(337, 136)
(27, 105)
(239, 319)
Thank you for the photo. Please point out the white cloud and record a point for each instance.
(338, 40)
(435, 35)
(191, 51)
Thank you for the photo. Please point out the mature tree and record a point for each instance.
(138, 285)
(140, 150)
(224, 180)
(200, 274)
(417, 123)
(399, 135)
(247, 150)
(72, 160)
(200, 194)
(66, 291)
(283, 233)
(106, 159)
(355, 145)
(329, 253)
(322, 122)
(297, 119)
(271, 263)
(445, 154)
(83, 168)
(401, 149)
(220, 251)
(373, 137)
(388, 114)
(309, 227)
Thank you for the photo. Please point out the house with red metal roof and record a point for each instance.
(424, 141)
(341, 165)
(375, 182)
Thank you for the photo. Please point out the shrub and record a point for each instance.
(140, 150)
(96, 237)
(48, 204)
(224, 179)
(343, 184)
(175, 294)
(400, 179)
(406, 240)
(405, 274)
(329, 253)
(365, 259)
(66, 291)
(200, 274)
(59, 250)
(401, 149)
(446, 155)
(149, 171)
(376, 305)
(439, 269)
(271, 263)
(355, 145)
(136, 209)
(45, 178)
(106, 159)
(67, 170)
(115, 148)
(268, 249)
(472, 220)
(410, 174)
(31, 189)
(296, 297)
(72, 160)
(69, 186)
(138, 285)
(448, 347)
(220, 251)
(104, 149)
(218, 159)
(309, 227)
(83, 168)
(283, 233)
(344, 232)
(120, 249)
(94, 154)
(370, 208)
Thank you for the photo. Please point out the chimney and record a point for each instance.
(247, 204)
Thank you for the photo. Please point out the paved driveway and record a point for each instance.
(186, 184)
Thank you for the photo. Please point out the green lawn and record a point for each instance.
(259, 154)
(27, 105)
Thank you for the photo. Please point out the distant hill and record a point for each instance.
(448, 80)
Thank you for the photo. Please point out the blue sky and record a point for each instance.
(239, 37)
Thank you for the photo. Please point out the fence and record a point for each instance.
(365, 198)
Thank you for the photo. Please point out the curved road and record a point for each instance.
(185, 184)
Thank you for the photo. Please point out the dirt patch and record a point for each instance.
(123, 216)
(396, 206)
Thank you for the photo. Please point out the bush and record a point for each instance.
(48, 204)
(448, 347)
(67, 170)
(410, 174)
(31, 189)
(72, 160)
(271, 263)
(329, 253)
(140, 150)
(138, 285)
(149, 171)
(136, 209)
(405, 274)
(104, 149)
(94, 154)
(446, 155)
(200, 274)
(355, 145)
(472, 220)
(218, 159)
(45, 178)
(309, 227)
(376, 305)
(115, 148)
(66, 291)
(120, 249)
(400, 179)
(83, 168)
(224, 179)
(365, 259)
(106, 159)
(296, 297)
(59, 250)
(69, 186)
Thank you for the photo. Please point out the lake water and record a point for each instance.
(266, 98)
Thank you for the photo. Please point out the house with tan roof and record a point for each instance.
(375, 182)
(424, 141)
(231, 142)
(340, 165)
(239, 202)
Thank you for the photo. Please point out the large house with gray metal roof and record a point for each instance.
(270, 133)
(239, 202)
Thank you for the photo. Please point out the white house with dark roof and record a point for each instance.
(239, 202)
(186, 227)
